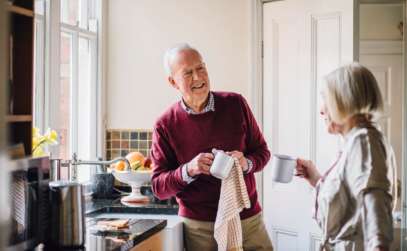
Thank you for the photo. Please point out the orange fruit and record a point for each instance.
(120, 166)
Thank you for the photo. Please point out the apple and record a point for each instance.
(147, 162)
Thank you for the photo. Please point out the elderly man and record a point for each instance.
(181, 152)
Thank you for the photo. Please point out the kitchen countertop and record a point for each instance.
(117, 240)
(114, 206)
(138, 231)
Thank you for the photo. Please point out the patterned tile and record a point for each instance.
(125, 135)
(115, 144)
(134, 135)
(115, 135)
(143, 144)
(143, 135)
(144, 152)
(119, 142)
(115, 154)
(124, 144)
(134, 144)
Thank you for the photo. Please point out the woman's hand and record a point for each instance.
(307, 170)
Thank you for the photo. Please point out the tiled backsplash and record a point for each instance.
(119, 142)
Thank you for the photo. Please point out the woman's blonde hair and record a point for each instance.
(352, 90)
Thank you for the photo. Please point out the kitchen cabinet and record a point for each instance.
(4, 188)
(154, 243)
(20, 54)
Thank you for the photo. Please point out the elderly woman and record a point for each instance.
(354, 196)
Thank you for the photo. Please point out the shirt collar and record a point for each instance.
(210, 106)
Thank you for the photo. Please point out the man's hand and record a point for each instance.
(200, 164)
(242, 160)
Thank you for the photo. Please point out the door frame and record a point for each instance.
(404, 143)
(256, 74)
(256, 88)
(403, 195)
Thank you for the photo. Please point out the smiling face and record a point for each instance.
(189, 76)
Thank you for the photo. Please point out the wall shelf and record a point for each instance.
(20, 10)
(19, 118)
(20, 57)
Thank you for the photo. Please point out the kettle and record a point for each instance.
(67, 214)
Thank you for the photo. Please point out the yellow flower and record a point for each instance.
(38, 152)
(35, 142)
(38, 141)
(36, 132)
(53, 135)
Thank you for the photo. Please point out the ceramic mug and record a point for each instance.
(222, 164)
(282, 168)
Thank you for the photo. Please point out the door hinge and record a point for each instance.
(262, 49)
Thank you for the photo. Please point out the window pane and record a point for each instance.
(79, 12)
(70, 11)
(83, 14)
(39, 7)
(93, 6)
(65, 95)
(85, 99)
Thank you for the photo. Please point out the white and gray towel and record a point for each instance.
(233, 199)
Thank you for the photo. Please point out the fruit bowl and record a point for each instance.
(135, 179)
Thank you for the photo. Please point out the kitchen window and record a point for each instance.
(67, 78)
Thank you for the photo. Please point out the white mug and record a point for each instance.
(282, 168)
(222, 164)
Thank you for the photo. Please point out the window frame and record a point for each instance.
(48, 91)
(75, 32)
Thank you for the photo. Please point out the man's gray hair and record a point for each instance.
(172, 52)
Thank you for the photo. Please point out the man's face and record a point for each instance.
(190, 77)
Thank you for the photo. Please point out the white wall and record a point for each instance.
(380, 21)
(140, 31)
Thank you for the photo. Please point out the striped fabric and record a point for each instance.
(233, 198)
(18, 195)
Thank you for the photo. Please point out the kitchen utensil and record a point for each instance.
(67, 214)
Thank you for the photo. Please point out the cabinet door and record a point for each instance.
(154, 243)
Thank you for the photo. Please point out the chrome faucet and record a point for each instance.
(76, 162)
(70, 165)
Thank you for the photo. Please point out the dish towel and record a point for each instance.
(233, 198)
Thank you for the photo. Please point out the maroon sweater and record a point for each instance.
(178, 137)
